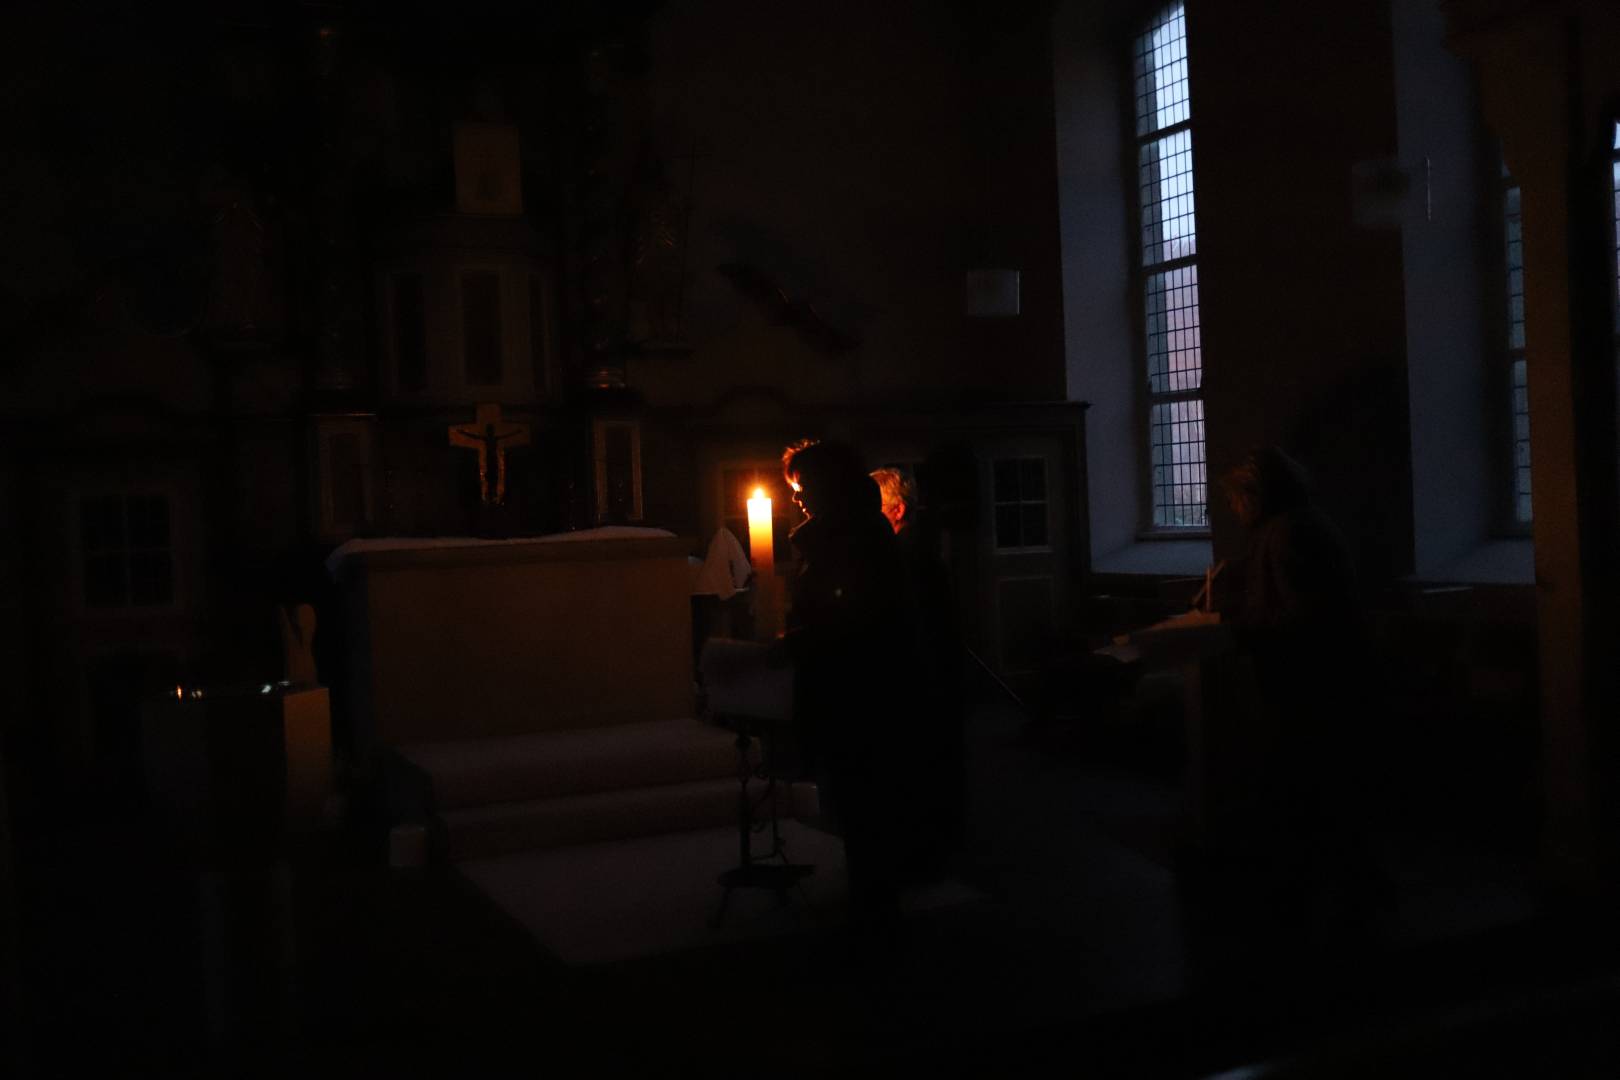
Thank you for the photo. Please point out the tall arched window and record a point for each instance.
(1614, 295)
(1518, 378)
(1169, 275)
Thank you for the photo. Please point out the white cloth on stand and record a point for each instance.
(725, 567)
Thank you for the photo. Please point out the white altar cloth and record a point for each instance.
(420, 543)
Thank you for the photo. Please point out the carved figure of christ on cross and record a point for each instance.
(492, 437)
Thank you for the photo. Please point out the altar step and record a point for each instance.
(516, 768)
(485, 797)
(483, 831)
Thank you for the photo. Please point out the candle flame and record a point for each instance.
(759, 493)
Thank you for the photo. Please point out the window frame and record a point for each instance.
(1142, 272)
(1507, 356)
(1045, 502)
(83, 552)
(1614, 261)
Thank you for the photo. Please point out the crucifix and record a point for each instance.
(491, 437)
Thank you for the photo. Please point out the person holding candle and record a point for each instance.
(848, 616)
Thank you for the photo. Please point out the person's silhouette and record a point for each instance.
(848, 613)
(929, 666)
(1293, 607)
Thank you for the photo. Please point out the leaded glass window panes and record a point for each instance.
(127, 551)
(1019, 489)
(1161, 72)
(1173, 345)
(1165, 172)
(1180, 497)
(1518, 372)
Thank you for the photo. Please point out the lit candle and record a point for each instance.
(761, 543)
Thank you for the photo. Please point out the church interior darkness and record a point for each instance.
(383, 386)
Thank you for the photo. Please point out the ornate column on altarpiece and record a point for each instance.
(600, 226)
(630, 219)
(238, 330)
(342, 420)
(339, 319)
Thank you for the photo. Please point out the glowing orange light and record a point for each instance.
(761, 544)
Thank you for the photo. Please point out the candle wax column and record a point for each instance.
(761, 543)
(762, 553)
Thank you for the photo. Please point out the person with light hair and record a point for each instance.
(934, 725)
(899, 492)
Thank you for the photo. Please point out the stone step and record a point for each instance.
(529, 768)
(476, 832)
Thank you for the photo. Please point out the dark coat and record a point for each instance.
(847, 618)
(848, 635)
(1296, 613)
(933, 712)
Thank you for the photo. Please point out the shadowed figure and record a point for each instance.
(1297, 583)
(848, 613)
(1293, 607)
(930, 666)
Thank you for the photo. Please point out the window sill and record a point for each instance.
(1495, 562)
(1159, 556)
(1170, 535)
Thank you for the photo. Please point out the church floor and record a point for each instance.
(1091, 954)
